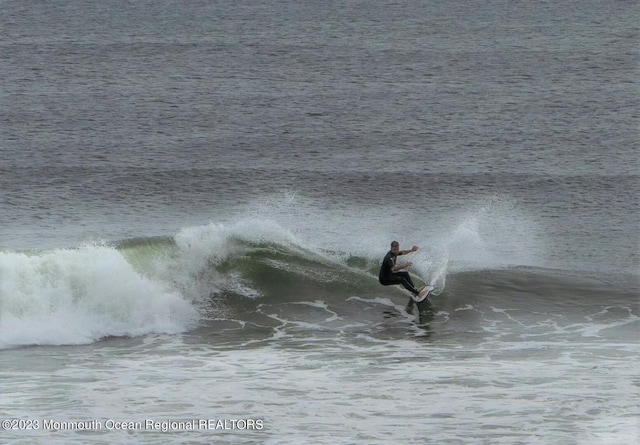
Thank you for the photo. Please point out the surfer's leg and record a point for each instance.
(405, 279)
(409, 286)
(398, 279)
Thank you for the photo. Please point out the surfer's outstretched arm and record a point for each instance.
(405, 252)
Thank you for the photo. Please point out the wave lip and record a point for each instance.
(78, 296)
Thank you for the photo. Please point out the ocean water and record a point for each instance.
(196, 196)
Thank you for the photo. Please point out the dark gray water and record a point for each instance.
(200, 193)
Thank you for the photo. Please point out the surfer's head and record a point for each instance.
(395, 247)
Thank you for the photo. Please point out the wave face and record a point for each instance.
(233, 271)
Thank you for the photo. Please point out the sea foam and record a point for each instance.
(77, 296)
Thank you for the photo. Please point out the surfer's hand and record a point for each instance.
(414, 248)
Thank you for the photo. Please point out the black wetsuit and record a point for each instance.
(387, 277)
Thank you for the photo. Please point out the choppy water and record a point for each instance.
(196, 197)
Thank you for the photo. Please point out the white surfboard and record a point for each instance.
(424, 293)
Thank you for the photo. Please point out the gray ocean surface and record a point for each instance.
(195, 197)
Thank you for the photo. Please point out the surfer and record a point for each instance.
(390, 271)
